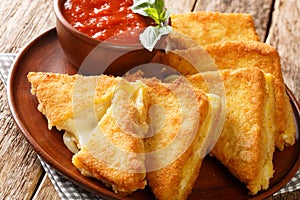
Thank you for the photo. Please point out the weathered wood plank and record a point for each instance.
(260, 16)
(20, 169)
(285, 36)
(21, 21)
(176, 7)
(46, 190)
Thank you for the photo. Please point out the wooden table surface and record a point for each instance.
(21, 175)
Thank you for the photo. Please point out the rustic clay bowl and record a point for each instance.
(92, 56)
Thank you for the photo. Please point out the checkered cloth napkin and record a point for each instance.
(66, 189)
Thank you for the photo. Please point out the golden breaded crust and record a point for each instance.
(100, 160)
(211, 27)
(246, 144)
(56, 93)
(115, 151)
(120, 181)
(238, 54)
(242, 54)
(234, 55)
(62, 97)
(176, 180)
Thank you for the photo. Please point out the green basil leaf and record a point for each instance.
(152, 35)
(164, 16)
(140, 5)
(149, 37)
(140, 2)
(140, 10)
(156, 10)
(165, 30)
(152, 12)
(160, 5)
(167, 14)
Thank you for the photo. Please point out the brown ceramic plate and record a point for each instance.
(214, 182)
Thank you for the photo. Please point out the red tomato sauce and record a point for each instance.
(106, 19)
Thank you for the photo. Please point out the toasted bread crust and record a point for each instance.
(211, 27)
(60, 96)
(56, 93)
(48, 88)
(120, 181)
(246, 145)
(234, 55)
(176, 180)
(115, 151)
(239, 54)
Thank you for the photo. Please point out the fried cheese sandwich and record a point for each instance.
(179, 145)
(211, 27)
(234, 55)
(115, 151)
(144, 126)
(59, 98)
(85, 108)
(168, 157)
(246, 144)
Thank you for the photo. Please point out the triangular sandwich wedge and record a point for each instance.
(85, 108)
(180, 119)
(235, 55)
(246, 144)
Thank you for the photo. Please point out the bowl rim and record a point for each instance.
(61, 18)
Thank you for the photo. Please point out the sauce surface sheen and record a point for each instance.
(106, 19)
